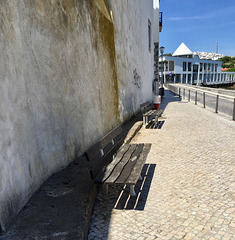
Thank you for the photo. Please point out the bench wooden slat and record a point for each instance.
(112, 165)
(99, 165)
(129, 166)
(146, 114)
(118, 169)
(159, 112)
(133, 178)
(153, 113)
(93, 153)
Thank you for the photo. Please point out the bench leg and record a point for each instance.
(147, 120)
(132, 190)
(105, 189)
(144, 120)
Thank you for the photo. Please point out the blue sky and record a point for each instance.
(200, 24)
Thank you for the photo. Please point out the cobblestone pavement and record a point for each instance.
(188, 191)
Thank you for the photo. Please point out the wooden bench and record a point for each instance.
(150, 114)
(114, 164)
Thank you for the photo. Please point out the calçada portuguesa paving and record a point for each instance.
(188, 190)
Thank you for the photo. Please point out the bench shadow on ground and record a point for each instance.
(117, 199)
(119, 196)
(153, 125)
(142, 188)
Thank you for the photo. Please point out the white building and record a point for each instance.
(206, 55)
(185, 67)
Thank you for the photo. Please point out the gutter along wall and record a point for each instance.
(64, 84)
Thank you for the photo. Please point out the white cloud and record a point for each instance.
(221, 12)
(188, 18)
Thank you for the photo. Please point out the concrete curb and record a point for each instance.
(132, 132)
(89, 210)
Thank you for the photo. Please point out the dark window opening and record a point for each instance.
(189, 66)
(149, 35)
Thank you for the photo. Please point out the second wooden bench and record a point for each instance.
(151, 113)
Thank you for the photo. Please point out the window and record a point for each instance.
(212, 67)
(184, 66)
(177, 78)
(184, 78)
(149, 35)
(216, 67)
(200, 67)
(195, 67)
(171, 66)
(189, 78)
(166, 65)
(209, 66)
(205, 67)
(189, 66)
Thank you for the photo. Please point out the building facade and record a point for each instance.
(185, 67)
(70, 72)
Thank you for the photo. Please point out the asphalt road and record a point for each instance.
(225, 104)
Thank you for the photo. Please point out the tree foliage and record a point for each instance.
(227, 62)
(167, 54)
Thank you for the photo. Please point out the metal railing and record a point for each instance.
(218, 102)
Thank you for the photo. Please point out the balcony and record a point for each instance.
(160, 21)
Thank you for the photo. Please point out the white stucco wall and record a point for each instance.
(156, 21)
(134, 61)
(66, 79)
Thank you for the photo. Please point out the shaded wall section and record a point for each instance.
(57, 75)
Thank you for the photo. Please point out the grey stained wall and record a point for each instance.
(60, 89)
(134, 60)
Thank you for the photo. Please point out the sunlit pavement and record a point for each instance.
(188, 191)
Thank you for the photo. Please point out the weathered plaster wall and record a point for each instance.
(57, 76)
(156, 21)
(71, 70)
(135, 63)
